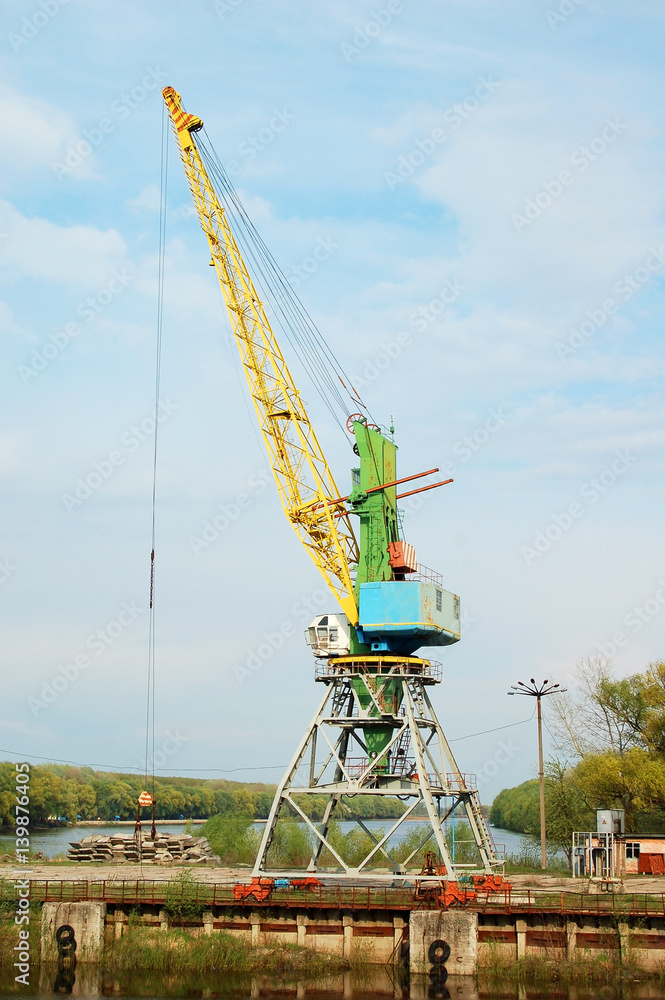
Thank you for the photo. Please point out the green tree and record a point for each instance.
(517, 808)
(599, 714)
(233, 838)
(566, 807)
(244, 802)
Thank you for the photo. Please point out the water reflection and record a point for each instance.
(375, 983)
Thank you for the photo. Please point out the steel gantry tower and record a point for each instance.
(375, 732)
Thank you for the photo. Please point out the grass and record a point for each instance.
(151, 950)
(582, 970)
(8, 939)
(520, 868)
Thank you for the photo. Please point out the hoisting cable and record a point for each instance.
(150, 696)
(282, 311)
(287, 310)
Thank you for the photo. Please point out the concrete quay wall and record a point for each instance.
(475, 938)
(468, 938)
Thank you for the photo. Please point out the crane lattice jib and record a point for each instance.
(305, 483)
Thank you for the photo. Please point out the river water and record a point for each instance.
(56, 841)
(376, 982)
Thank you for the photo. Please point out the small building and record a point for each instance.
(610, 852)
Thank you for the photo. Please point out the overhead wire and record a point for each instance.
(266, 262)
(150, 694)
(119, 768)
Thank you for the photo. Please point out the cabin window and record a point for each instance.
(333, 635)
(439, 600)
(457, 607)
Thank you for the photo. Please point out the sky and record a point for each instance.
(468, 197)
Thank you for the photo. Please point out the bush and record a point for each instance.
(181, 896)
(291, 846)
(233, 838)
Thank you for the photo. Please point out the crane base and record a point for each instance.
(375, 733)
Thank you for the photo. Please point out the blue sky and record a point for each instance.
(486, 181)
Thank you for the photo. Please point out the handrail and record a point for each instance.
(344, 896)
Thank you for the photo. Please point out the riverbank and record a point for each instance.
(584, 970)
(146, 949)
(132, 822)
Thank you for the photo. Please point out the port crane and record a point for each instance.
(375, 731)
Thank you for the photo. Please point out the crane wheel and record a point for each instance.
(354, 419)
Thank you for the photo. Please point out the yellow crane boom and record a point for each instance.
(304, 481)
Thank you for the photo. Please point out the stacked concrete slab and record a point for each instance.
(129, 849)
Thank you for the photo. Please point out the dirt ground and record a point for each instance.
(118, 873)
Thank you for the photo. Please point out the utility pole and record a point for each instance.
(532, 690)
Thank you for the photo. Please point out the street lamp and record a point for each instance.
(533, 691)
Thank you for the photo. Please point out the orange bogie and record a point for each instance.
(491, 884)
(258, 889)
(307, 883)
(452, 895)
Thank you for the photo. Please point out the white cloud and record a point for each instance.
(70, 255)
(35, 132)
(509, 153)
(148, 199)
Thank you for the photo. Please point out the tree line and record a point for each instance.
(63, 793)
(609, 753)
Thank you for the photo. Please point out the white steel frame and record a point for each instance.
(421, 769)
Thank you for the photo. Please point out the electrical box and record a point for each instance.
(611, 821)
